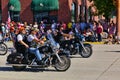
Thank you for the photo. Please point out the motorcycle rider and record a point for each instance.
(20, 42)
(60, 35)
(64, 39)
(33, 41)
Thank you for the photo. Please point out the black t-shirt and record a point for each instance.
(58, 38)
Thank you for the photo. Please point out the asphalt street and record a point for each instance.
(104, 64)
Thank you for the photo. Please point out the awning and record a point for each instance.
(14, 5)
(44, 5)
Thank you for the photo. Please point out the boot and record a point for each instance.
(40, 62)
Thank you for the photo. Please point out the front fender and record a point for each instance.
(87, 44)
(62, 53)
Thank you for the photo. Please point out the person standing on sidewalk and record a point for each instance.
(99, 31)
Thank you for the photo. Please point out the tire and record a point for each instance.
(3, 49)
(19, 68)
(62, 66)
(88, 50)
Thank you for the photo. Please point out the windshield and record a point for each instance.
(51, 39)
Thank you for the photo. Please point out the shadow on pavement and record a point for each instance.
(113, 51)
(9, 69)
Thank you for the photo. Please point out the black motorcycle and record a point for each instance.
(53, 56)
(76, 45)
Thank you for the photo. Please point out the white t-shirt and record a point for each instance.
(19, 37)
(31, 37)
(35, 26)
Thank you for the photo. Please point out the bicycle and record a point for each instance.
(3, 48)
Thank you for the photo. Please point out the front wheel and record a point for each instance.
(3, 48)
(19, 68)
(86, 51)
(64, 65)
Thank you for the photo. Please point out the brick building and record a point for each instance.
(37, 10)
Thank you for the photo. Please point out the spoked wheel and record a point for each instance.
(19, 68)
(3, 48)
(86, 51)
(64, 65)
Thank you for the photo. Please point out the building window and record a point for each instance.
(79, 11)
(89, 14)
(39, 16)
(0, 13)
(0, 16)
(15, 16)
(44, 16)
(73, 12)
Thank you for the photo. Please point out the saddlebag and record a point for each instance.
(15, 58)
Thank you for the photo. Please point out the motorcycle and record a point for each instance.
(76, 45)
(3, 48)
(53, 56)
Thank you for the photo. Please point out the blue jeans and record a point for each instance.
(36, 52)
(99, 38)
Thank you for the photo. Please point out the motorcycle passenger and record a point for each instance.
(33, 41)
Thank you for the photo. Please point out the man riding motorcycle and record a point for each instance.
(20, 43)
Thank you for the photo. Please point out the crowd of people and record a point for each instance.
(92, 31)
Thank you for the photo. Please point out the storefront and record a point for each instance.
(14, 8)
(0, 13)
(42, 8)
(37, 10)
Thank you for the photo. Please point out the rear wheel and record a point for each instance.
(64, 65)
(19, 68)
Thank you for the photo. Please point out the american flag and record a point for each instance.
(8, 20)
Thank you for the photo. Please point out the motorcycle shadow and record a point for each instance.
(9, 69)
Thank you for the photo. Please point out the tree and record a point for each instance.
(104, 7)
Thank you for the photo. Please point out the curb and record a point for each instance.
(95, 42)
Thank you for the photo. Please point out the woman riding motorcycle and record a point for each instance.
(33, 41)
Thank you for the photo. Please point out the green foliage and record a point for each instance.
(104, 7)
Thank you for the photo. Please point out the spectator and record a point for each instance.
(82, 26)
(35, 25)
(3, 30)
(111, 32)
(94, 29)
(53, 26)
(64, 26)
(89, 36)
(99, 31)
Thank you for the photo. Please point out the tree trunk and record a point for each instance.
(118, 19)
